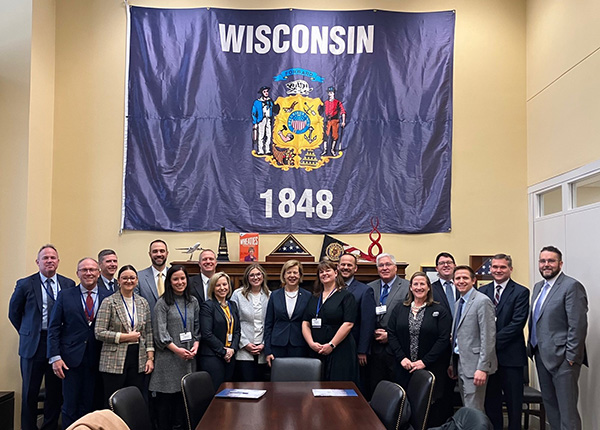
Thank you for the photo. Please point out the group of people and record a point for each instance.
(122, 328)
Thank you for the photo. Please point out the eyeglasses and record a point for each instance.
(87, 270)
(446, 263)
(549, 261)
(129, 279)
(255, 275)
(385, 265)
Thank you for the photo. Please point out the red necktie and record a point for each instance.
(89, 304)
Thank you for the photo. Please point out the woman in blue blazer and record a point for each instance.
(283, 323)
(220, 329)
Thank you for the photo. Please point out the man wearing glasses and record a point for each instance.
(390, 291)
(557, 331)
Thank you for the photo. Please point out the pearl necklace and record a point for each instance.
(291, 296)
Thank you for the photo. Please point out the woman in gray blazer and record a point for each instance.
(123, 325)
(252, 301)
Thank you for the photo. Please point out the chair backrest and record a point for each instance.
(419, 392)
(129, 404)
(471, 419)
(390, 405)
(290, 369)
(198, 392)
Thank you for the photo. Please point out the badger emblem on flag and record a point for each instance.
(296, 129)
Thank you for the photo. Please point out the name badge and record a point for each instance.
(316, 323)
(229, 337)
(381, 310)
(185, 337)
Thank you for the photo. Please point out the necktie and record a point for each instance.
(497, 296)
(160, 285)
(89, 305)
(384, 294)
(111, 286)
(450, 296)
(461, 302)
(49, 289)
(536, 313)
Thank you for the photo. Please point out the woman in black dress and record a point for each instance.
(328, 319)
(419, 335)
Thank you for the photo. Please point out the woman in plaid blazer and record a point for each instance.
(123, 325)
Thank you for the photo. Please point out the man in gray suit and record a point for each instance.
(473, 339)
(390, 291)
(557, 331)
(151, 280)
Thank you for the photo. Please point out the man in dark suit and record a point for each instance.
(512, 309)
(444, 291)
(29, 312)
(389, 291)
(151, 280)
(109, 264)
(557, 330)
(446, 294)
(366, 320)
(473, 339)
(199, 283)
(73, 349)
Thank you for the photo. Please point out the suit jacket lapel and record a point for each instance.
(296, 308)
(36, 283)
(121, 311)
(552, 292)
(394, 288)
(466, 308)
(508, 291)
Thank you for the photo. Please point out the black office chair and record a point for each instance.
(419, 392)
(390, 405)
(531, 396)
(290, 369)
(129, 404)
(467, 419)
(198, 392)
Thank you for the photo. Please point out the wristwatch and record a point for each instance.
(331, 345)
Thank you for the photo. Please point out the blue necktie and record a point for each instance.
(111, 286)
(536, 313)
(384, 294)
(461, 302)
(450, 296)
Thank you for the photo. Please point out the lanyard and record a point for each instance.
(132, 314)
(320, 302)
(228, 317)
(88, 312)
(48, 293)
(183, 318)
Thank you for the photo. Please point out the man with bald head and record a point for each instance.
(208, 266)
(72, 347)
(29, 312)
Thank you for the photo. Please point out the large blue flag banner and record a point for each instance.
(289, 121)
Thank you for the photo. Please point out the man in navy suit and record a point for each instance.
(109, 264)
(29, 312)
(72, 347)
(512, 308)
(199, 283)
(389, 290)
(366, 320)
(446, 294)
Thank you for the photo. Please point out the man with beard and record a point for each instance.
(366, 320)
(151, 280)
(73, 349)
(107, 259)
(29, 312)
(199, 283)
(557, 330)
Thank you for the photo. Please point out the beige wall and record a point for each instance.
(489, 162)
(563, 86)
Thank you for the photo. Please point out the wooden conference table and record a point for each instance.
(290, 406)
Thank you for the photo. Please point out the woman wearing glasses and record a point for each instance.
(252, 301)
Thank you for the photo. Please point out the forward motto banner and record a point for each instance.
(288, 121)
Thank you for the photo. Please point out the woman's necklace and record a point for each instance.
(291, 296)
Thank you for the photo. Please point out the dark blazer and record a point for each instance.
(434, 341)
(562, 325)
(213, 328)
(101, 284)
(281, 330)
(25, 311)
(366, 320)
(511, 317)
(439, 295)
(197, 288)
(69, 332)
